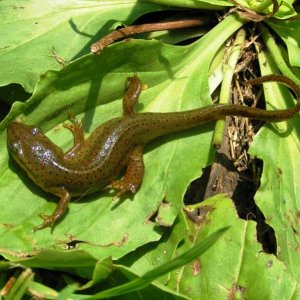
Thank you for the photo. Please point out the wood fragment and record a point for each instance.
(126, 32)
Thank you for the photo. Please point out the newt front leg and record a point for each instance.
(133, 89)
(50, 220)
(76, 128)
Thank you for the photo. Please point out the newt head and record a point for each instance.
(28, 144)
(20, 138)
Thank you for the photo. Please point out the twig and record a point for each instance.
(136, 29)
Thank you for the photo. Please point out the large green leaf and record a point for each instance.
(289, 31)
(92, 88)
(38, 36)
(164, 268)
(229, 269)
(278, 197)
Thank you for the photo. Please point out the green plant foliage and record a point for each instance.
(225, 269)
(40, 37)
(40, 289)
(133, 244)
(92, 88)
(202, 4)
(289, 31)
(164, 268)
(278, 146)
(286, 9)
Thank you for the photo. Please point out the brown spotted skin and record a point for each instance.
(93, 164)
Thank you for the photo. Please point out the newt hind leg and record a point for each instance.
(134, 173)
(76, 128)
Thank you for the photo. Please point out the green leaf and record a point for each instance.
(289, 32)
(278, 197)
(163, 269)
(42, 290)
(40, 36)
(228, 269)
(72, 261)
(122, 275)
(175, 36)
(92, 88)
(67, 292)
(200, 4)
(20, 285)
(151, 256)
(286, 9)
(166, 214)
(102, 270)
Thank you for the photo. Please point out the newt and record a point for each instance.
(93, 164)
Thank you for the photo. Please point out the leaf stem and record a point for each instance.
(234, 54)
(276, 54)
(263, 5)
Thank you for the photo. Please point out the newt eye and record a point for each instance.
(36, 130)
(15, 147)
